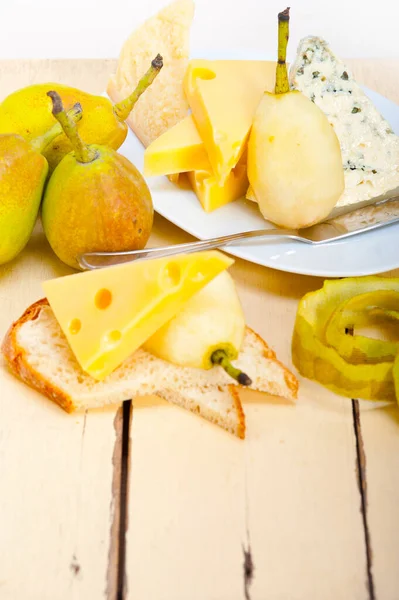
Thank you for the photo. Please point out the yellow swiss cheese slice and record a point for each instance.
(223, 96)
(107, 314)
(178, 150)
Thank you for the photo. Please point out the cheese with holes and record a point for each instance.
(369, 147)
(106, 314)
(223, 96)
(213, 194)
(178, 150)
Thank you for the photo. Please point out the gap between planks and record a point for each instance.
(116, 576)
(117, 583)
(248, 564)
(362, 482)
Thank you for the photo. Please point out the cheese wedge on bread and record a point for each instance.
(37, 352)
(106, 314)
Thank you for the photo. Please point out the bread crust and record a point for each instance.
(15, 356)
(238, 429)
(240, 412)
(290, 379)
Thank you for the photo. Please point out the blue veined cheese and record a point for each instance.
(369, 147)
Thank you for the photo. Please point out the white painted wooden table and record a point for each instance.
(152, 503)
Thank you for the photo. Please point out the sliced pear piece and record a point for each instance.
(294, 157)
(208, 330)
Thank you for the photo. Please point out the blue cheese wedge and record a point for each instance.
(369, 147)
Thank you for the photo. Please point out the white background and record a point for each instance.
(97, 28)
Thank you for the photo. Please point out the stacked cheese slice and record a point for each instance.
(210, 143)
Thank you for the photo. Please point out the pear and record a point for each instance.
(95, 200)
(294, 157)
(208, 331)
(28, 112)
(23, 173)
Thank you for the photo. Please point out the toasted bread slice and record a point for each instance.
(164, 103)
(38, 353)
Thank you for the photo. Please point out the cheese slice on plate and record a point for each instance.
(178, 150)
(369, 147)
(223, 96)
(212, 194)
(106, 314)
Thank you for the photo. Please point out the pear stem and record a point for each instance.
(40, 143)
(123, 109)
(282, 85)
(83, 153)
(219, 357)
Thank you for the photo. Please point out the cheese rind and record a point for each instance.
(178, 150)
(164, 103)
(369, 147)
(223, 97)
(106, 314)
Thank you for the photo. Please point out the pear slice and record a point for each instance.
(209, 330)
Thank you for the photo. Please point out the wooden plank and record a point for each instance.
(56, 470)
(378, 433)
(303, 498)
(199, 498)
(378, 442)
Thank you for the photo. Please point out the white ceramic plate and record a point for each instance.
(369, 253)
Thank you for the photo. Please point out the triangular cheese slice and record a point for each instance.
(106, 314)
(223, 96)
(178, 150)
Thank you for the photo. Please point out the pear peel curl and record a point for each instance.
(355, 370)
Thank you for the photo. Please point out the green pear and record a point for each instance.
(96, 200)
(23, 174)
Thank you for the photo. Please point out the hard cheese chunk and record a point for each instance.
(106, 314)
(164, 103)
(223, 96)
(212, 194)
(369, 147)
(178, 150)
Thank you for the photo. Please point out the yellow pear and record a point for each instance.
(209, 330)
(294, 157)
(28, 112)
